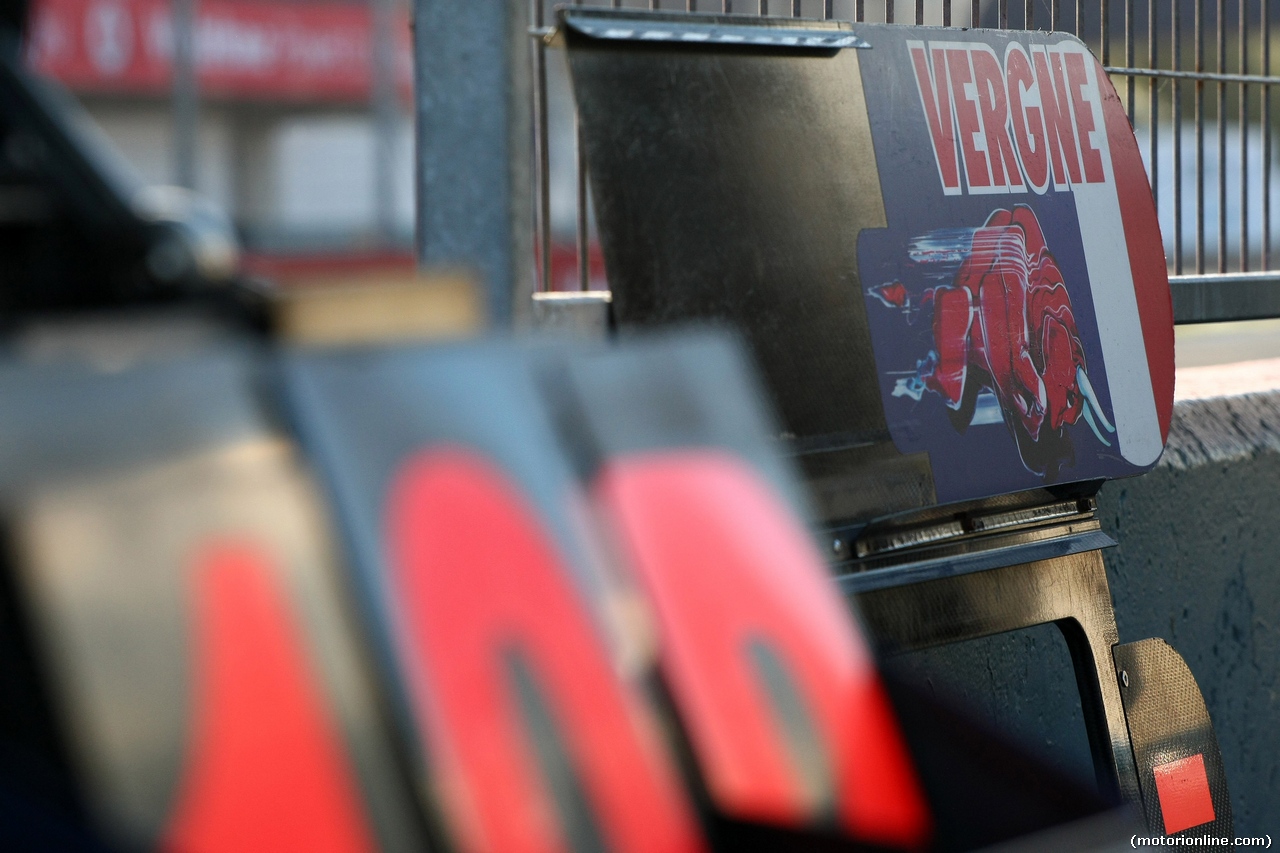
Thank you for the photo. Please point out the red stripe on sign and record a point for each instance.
(1146, 251)
(1183, 789)
(265, 769)
(778, 694)
(535, 737)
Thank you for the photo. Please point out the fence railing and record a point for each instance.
(1196, 77)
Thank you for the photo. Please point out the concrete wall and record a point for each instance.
(1199, 565)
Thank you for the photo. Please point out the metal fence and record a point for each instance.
(1195, 75)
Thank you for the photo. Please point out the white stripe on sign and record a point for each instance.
(1114, 302)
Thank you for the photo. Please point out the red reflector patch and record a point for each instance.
(265, 768)
(1183, 789)
(533, 735)
(777, 692)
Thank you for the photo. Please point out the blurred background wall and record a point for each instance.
(300, 127)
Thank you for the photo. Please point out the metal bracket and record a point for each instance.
(710, 30)
(580, 314)
(1070, 591)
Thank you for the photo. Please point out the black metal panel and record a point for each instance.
(667, 392)
(665, 126)
(1168, 722)
(114, 483)
(362, 413)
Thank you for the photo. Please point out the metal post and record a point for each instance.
(474, 132)
(186, 94)
(386, 114)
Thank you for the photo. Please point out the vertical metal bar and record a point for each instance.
(689, 5)
(919, 12)
(859, 13)
(975, 13)
(1153, 104)
(386, 114)
(472, 186)
(795, 8)
(1104, 52)
(1266, 137)
(1199, 35)
(763, 7)
(1244, 143)
(584, 214)
(1222, 143)
(1055, 14)
(1002, 7)
(542, 178)
(888, 11)
(1177, 146)
(1079, 18)
(186, 94)
(946, 13)
(1029, 15)
(828, 12)
(583, 241)
(1131, 82)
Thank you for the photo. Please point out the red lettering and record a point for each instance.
(995, 119)
(494, 632)
(976, 167)
(1028, 127)
(936, 98)
(1055, 108)
(1077, 79)
(742, 602)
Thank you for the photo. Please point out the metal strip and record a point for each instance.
(1244, 144)
(1207, 76)
(1266, 137)
(1177, 147)
(946, 567)
(541, 143)
(1222, 143)
(1130, 96)
(1153, 104)
(735, 35)
(582, 240)
(1199, 43)
(1219, 298)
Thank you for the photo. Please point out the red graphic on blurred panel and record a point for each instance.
(777, 692)
(560, 748)
(1005, 324)
(1182, 787)
(265, 769)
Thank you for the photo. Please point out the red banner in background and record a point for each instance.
(244, 49)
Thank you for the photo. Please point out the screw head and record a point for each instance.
(1124, 677)
(837, 546)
